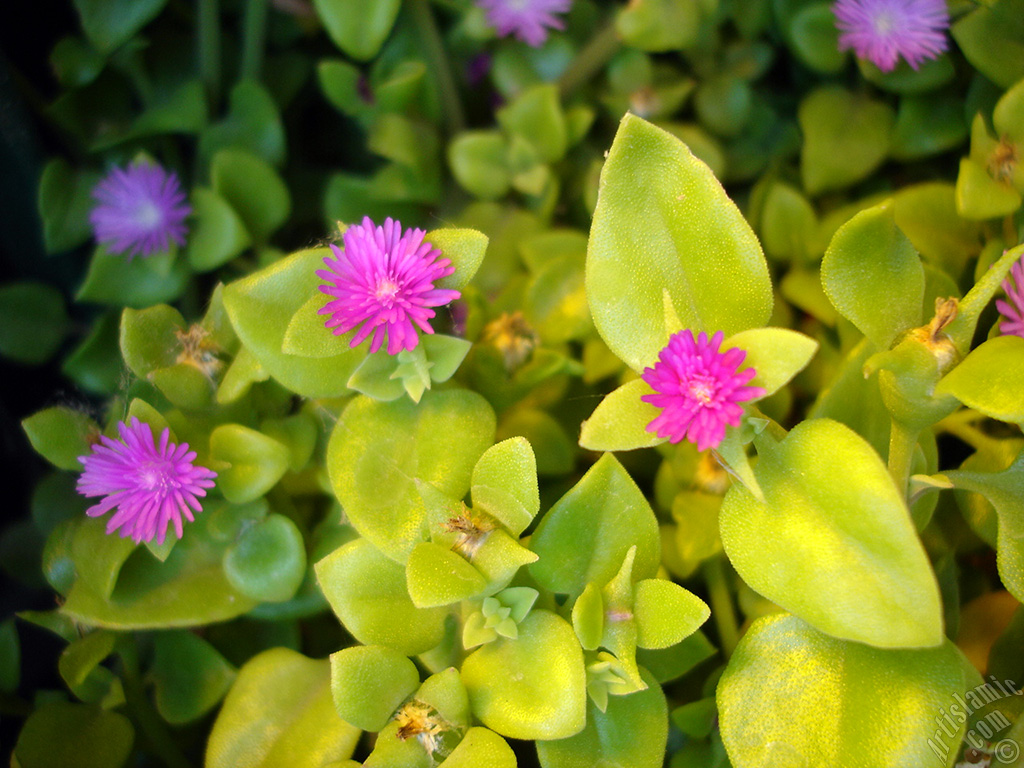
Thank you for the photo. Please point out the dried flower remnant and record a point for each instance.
(150, 485)
(382, 283)
(140, 210)
(511, 335)
(1002, 163)
(882, 31)
(528, 20)
(417, 719)
(1013, 310)
(199, 350)
(472, 529)
(698, 389)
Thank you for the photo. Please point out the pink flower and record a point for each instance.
(526, 19)
(140, 210)
(1013, 310)
(383, 283)
(150, 485)
(698, 389)
(883, 30)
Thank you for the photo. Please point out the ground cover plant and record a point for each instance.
(523, 382)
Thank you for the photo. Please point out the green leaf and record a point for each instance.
(619, 423)
(189, 676)
(990, 37)
(253, 189)
(254, 462)
(380, 452)
(844, 556)
(480, 747)
(536, 116)
(10, 657)
(445, 354)
(149, 338)
(665, 613)
(873, 276)
(187, 589)
(777, 354)
(279, 714)
(670, 663)
(664, 227)
(73, 736)
(771, 694)
(109, 24)
(465, 248)
(846, 137)
(928, 125)
(369, 682)
(556, 301)
(979, 196)
(95, 364)
(261, 307)
(359, 30)
(252, 123)
(117, 281)
(533, 687)
(789, 225)
(479, 163)
(218, 234)
(368, 593)
(438, 576)
(585, 536)
(990, 379)
(926, 213)
(504, 484)
(632, 732)
(60, 435)
(659, 25)
(65, 201)
(815, 39)
(79, 665)
(268, 562)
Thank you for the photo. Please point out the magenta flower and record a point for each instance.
(140, 210)
(1013, 310)
(883, 30)
(150, 485)
(528, 20)
(698, 389)
(383, 283)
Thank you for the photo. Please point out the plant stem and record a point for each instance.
(590, 60)
(151, 724)
(439, 64)
(209, 48)
(721, 604)
(254, 33)
(902, 441)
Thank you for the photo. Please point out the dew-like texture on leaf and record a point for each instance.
(279, 714)
(835, 546)
(379, 453)
(664, 226)
(533, 687)
(792, 697)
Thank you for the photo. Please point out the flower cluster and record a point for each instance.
(882, 31)
(140, 210)
(529, 20)
(382, 283)
(150, 485)
(698, 389)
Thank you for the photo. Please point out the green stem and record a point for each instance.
(590, 60)
(146, 717)
(254, 33)
(209, 48)
(439, 64)
(902, 441)
(721, 605)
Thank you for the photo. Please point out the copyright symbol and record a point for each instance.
(1006, 751)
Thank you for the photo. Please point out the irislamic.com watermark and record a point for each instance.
(983, 746)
